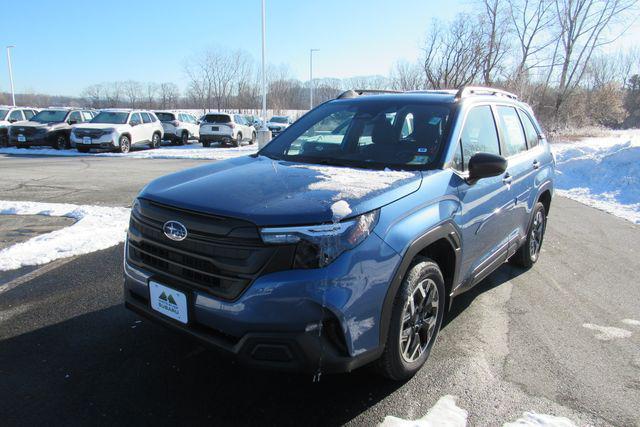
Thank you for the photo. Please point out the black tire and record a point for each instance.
(184, 139)
(206, 144)
(82, 150)
(4, 140)
(125, 144)
(423, 325)
(529, 252)
(238, 141)
(60, 142)
(253, 138)
(155, 140)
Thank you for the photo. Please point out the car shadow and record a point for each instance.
(460, 303)
(110, 367)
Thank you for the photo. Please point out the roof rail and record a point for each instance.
(479, 90)
(353, 93)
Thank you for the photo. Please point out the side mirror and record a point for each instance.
(485, 165)
(13, 120)
(73, 122)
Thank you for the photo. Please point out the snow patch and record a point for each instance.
(96, 228)
(607, 333)
(340, 209)
(532, 419)
(445, 413)
(350, 183)
(602, 172)
(195, 151)
(632, 322)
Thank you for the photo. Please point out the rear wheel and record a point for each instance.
(415, 321)
(529, 252)
(184, 140)
(60, 142)
(253, 138)
(238, 142)
(125, 144)
(4, 140)
(206, 144)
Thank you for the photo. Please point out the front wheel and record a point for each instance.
(206, 144)
(253, 138)
(125, 144)
(529, 252)
(238, 142)
(185, 138)
(60, 142)
(417, 315)
(155, 140)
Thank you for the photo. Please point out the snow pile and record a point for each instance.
(340, 210)
(445, 413)
(602, 172)
(350, 183)
(532, 419)
(96, 228)
(607, 333)
(195, 151)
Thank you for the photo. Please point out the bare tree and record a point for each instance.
(495, 30)
(151, 90)
(453, 54)
(531, 20)
(406, 76)
(95, 95)
(113, 94)
(168, 94)
(582, 28)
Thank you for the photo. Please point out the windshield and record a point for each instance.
(279, 120)
(166, 117)
(118, 118)
(217, 118)
(3, 114)
(366, 134)
(50, 116)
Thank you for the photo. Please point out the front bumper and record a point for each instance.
(294, 320)
(38, 140)
(103, 143)
(225, 139)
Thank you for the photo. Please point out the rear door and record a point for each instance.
(483, 217)
(520, 170)
(147, 125)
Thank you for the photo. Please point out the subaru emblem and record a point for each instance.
(175, 231)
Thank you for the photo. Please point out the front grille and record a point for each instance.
(25, 131)
(91, 133)
(221, 256)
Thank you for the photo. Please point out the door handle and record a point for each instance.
(507, 179)
(536, 164)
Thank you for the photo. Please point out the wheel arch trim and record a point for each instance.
(446, 230)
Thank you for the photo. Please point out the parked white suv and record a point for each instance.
(179, 126)
(118, 129)
(277, 124)
(226, 129)
(10, 115)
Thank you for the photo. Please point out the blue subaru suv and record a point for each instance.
(344, 240)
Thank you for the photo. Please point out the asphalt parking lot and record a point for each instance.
(71, 354)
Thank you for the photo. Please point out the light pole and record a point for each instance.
(13, 92)
(264, 134)
(264, 77)
(311, 77)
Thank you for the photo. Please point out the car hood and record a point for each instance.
(30, 124)
(98, 126)
(272, 193)
(278, 124)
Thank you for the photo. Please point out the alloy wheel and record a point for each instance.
(419, 318)
(537, 234)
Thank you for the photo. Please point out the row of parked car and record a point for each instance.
(121, 129)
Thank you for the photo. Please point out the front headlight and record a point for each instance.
(318, 245)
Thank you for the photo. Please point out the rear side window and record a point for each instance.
(75, 117)
(529, 130)
(512, 131)
(479, 135)
(146, 118)
(135, 119)
(86, 115)
(28, 114)
(16, 115)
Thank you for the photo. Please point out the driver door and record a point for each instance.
(137, 129)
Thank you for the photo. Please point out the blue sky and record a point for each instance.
(62, 47)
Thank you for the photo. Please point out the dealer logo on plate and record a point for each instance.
(175, 231)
